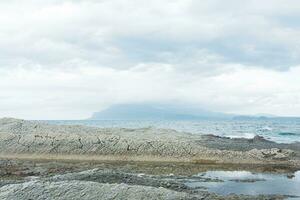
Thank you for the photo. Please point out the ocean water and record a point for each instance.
(278, 130)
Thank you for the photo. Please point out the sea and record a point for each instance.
(277, 130)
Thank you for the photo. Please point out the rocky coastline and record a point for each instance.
(43, 161)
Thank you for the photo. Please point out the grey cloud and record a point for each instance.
(122, 34)
(85, 55)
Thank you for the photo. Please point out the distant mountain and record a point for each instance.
(263, 117)
(250, 117)
(156, 111)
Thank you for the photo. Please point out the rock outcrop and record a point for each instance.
(95, 184)
(85, 190)
(40, 140)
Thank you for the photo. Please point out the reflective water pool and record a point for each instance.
(244, 182)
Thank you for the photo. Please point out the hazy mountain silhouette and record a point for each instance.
(156, 111)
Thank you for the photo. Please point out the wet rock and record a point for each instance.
(290, 176)
(85, 190)
(250, 180)
(274, 153)
(111, 176)
(88, 184)
(258, 138)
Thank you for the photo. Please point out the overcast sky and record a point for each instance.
(67, 59)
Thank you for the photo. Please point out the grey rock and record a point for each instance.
(112, 176)
(274, 153)
(40, 140)
(81, 190)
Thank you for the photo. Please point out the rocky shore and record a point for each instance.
(26, 180)
(33, 158)
(26, 139)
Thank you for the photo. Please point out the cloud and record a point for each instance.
(75, 94)
(70, 58)
(122, 33)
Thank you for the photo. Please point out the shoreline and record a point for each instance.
(38, 158)
(34, 140)
(23, 178)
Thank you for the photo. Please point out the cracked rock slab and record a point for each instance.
(36, 139)
(80, 190)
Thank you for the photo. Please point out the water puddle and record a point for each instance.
(244, 182)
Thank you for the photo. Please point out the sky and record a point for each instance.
(67, 59)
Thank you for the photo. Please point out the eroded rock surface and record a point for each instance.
(19, 137)
(108, 184)
(84, 190)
